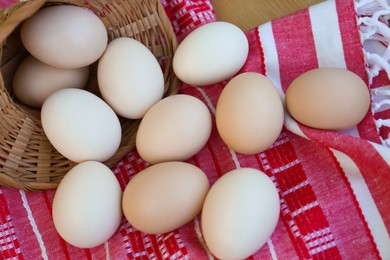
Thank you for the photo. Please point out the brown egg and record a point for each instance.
(164, 196)
(249, 113)
(328, 98)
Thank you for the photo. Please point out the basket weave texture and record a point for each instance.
(27, 159)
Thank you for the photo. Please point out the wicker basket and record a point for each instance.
(27, 159)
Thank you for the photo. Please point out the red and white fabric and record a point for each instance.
(334, 186)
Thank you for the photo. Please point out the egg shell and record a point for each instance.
(130, 78)
(174, 129)
(165, 196)
(210, 54)
(80, 125)
(328, 98)
(249, 113)
(65, 36)
(34, 80)
(87, 205)
(240, 213)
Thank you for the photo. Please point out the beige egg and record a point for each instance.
(80, 125)
(65, 36)
(249, 113)
(165, 196)
(328, 98)
(174, 129)
(34, 80)
(240, 213)
(130, 78)
(87, 205)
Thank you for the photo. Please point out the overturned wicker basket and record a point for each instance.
(27, 159)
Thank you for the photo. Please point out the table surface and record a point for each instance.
(248, 14)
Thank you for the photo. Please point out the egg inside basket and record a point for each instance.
(27, 159)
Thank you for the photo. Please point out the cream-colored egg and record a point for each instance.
(174, 129)
(210, 54)
(80, 125)
(328, 98)
(34, 80)
(130, 78)
(65, 36)
(249, 113)
(164, 197)
(240, 213)
(87, 205)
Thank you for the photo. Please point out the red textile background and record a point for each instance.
(321, 216)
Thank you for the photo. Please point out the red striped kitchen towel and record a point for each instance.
(334, 186)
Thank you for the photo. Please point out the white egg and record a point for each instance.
(210, 54)
(130, 78)
(174, 129)
(34, 80)
(87, 205)
(65, 36)
(240, 213)
(80, 125)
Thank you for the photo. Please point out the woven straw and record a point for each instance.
(27, 159)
